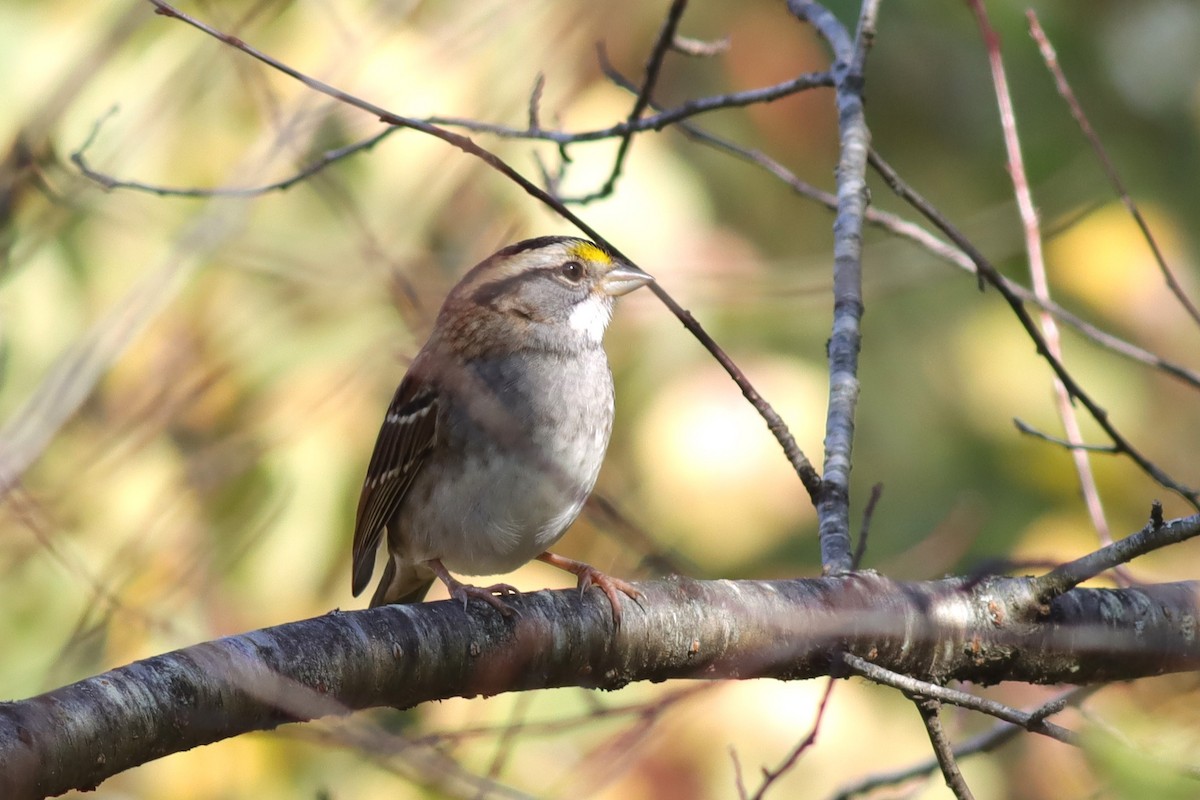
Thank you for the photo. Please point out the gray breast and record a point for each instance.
(547, 420)
(542, 405)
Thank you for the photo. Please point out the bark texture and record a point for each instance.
(985, 630)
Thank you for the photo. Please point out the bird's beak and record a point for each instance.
(623, 279)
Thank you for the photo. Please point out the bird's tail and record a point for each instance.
(403, 584)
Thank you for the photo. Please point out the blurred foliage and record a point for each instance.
(230, 358)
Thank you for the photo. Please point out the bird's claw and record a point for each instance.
(590, 576)
(610, 586)
(488, 594)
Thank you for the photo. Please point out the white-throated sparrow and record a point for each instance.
(495, 436)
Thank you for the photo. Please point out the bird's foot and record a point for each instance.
(590, 576)
(465, 591)
(488, 594)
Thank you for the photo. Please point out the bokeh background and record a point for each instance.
(190, 387)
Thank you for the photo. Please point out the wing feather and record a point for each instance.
(407, 436)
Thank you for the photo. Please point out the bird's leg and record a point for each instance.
(588, 576)
(465, 591)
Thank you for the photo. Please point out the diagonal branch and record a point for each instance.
(1037, 271)
(924, 689)
(1064, 89)
(930, 711)
(998, 735)
(904, 229)
(653, 65)
(804, 469)
(988, 274)
(1156, 535)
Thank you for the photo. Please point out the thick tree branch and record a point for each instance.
(77, 736)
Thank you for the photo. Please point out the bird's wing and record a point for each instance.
(405, 440)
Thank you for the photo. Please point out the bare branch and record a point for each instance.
(988, 274)
(833, 503)
(919, 688)
(792, 758)
(1037, 271)
(399, 656)
(327, 158)
(535, 103)
(1156, 535)
(998, 735)
(1028, 430)
(942, 750)
(653, 65)
(738, 780)
(1064, 89)
(868, 512)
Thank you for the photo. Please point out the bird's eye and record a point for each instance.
(572, 271)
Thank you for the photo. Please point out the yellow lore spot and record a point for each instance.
(587, 251)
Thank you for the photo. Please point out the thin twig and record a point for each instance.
(868, 512)
(791, 450)
(1064, 89)
(772, 775)
(738, 780)
(999, 734)
(1029, 430)
(912, 686)
(1156, 535)
(989, 275)
(942, 749)
(535, 102)
(1037, 271)
(666, 36)
(656, 122)
(327, 158)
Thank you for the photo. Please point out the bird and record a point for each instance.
(495, 435)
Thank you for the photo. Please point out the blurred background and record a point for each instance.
(190, 387)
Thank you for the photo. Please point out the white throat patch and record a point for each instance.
(591, 317)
